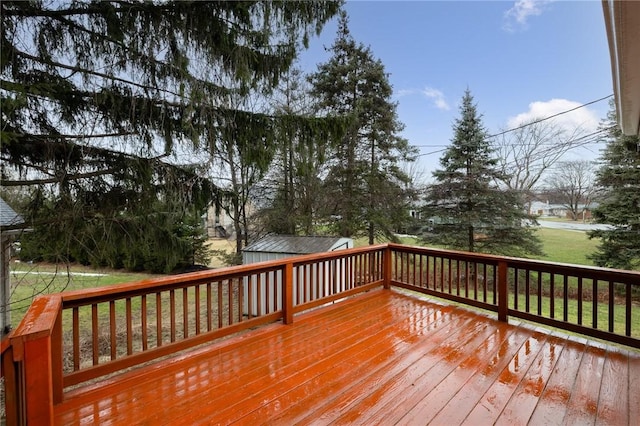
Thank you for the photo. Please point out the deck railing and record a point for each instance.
(69, 338)
(596, 302)
(87, 334)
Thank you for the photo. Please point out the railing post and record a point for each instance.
(11, 390)
(503, 294)
(386, 267)
(56, 360)
(37, 345)
(287, 293)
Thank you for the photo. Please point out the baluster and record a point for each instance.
(112, 328)
(94, 333)
(75, 321)
(159, 330)
(129, 319)
(143, 314)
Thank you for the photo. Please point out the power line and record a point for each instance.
(549, 117)
(531, 124)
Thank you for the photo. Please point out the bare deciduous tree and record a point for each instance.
(527, 152)
(574, 184)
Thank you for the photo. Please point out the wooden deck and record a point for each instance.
(380, 358)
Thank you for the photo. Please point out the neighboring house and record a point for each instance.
(218, 223)
(11, 225)
(546, 209)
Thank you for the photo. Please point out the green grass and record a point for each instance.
(31, 280)
(619, 311)
(559, 245)
(565, 246)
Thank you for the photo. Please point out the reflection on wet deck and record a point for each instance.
(380, 358)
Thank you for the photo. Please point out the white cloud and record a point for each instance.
(438, 98)
(582, 120)
(435, 95)
(404, 92)
(517, 17)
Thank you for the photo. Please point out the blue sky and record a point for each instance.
(519, 59)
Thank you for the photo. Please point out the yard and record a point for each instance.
(30, 280)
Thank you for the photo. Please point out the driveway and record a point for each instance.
(573, 226)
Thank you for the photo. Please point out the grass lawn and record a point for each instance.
(565, 246)
(31, 280)
(559, 245)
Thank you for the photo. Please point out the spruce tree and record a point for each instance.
(294, 182)
(365, 191)
(466, 207)
(101, 101)
(619, 206)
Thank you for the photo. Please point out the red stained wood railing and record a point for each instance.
(596, 302)
(72, 337)
(114, 328)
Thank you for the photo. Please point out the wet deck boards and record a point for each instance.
(379, 358)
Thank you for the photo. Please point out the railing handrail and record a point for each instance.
(601, 273)
(603, 299)
(99, 294)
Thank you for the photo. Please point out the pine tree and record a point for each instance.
(364, 188)
(100, 98)
(619, 180)
(467, 208)
(295, 179)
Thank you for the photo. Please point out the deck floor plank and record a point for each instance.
(383, 390)
(633, 380)
(583, 404)
(352, 342)
(490, 407)
(468, 396)
(432, 390)
(613, 398)
(336, 394)
(524, 400)
(383, 357)
(552, 405)
(321, 388)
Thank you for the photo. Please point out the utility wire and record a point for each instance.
(531, 124)
(549, 117)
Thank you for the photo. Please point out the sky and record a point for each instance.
(520, 59)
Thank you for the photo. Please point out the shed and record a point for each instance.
(275, 247)
(11, 225)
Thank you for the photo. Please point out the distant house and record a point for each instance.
(217, 222)
(546, 209)
(11, 225)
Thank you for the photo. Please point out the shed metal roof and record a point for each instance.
(8, 216)
(293, 244)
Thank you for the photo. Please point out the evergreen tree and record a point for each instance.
(364, 188)
(619, 180)
(99, 98)
(468, 210)
(295, 179)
